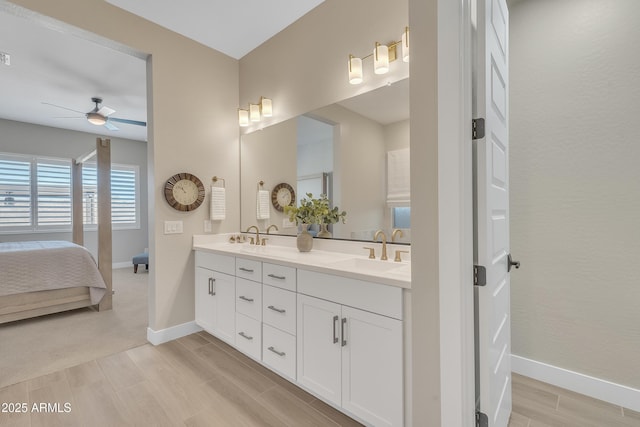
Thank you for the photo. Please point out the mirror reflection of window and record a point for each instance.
(315, 158)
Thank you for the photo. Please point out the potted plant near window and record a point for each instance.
(329, 216)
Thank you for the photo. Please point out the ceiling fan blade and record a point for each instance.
(131, 122)
(60, 106)
(74, 117)
(105, 111)
(110, 126)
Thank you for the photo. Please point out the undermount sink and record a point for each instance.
(366, 264)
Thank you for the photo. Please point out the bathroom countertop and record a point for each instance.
(323, 261)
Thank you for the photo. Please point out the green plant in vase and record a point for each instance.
(315, 211)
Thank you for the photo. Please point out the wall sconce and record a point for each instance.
(382, 56)
(255, 112)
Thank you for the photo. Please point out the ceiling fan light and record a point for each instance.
(96, 119)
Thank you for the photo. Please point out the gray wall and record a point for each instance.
(24, 138)
(575, 185)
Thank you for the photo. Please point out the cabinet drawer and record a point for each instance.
(279, 308)
(249, 269)
(248, 334)
(249, 298)
(222, 263)
(279, 351)
(279, 276)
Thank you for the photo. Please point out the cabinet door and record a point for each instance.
(372, 385)
(205, 300)
(319, 347)
(224, 290)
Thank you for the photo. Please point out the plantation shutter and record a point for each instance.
(15, 193)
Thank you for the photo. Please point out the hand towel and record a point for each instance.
(218, 203)
(262, 205)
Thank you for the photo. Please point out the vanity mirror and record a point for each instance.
(342, 150)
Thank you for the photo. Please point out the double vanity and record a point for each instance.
(332, 321)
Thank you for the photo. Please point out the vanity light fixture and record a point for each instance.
(382, 55)
(243, 117)
(255, 112)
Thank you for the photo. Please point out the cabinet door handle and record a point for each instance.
(243, 298)
(279, 310)
(211, 280)
(344, 339)
(335, 328)
(247, 270)
(243, 335)
(276, 277)
(279, 353)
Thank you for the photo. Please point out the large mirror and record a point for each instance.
(355, 151)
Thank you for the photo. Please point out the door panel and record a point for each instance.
(491, 217)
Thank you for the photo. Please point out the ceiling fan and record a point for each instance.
(100, 115)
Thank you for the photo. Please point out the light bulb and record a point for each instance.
(254, 112)
(243, 117)
(380, 59)
(405, 45)
(355, 70)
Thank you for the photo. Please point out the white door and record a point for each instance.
(491, 155)
(372, 386)
(319, 351)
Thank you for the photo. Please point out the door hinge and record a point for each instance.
(477, 128)
(481, 419)
(479, 275)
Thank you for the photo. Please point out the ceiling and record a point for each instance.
(51, 62)
(54, 63)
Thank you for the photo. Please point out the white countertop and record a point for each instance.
(331, 257)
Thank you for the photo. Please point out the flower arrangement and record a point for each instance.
(315, 211)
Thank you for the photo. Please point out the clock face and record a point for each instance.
(282, 195)
(184, 192)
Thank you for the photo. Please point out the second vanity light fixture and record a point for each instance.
(382, 56)
(255, 112)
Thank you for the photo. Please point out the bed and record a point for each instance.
(44, 277)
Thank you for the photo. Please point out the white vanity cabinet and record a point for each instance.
(351, 356)
(215, 295)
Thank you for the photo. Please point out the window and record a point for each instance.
(36, 194)
(401, 217)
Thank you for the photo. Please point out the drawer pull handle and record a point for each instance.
(276, 277)
(335, 335)
(243, 298)
(279, 353)
(344, 339)
(243, 335)
(212, 289)
(246, 270)
(279, 310)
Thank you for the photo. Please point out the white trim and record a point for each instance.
(172, 333)
(124, 264)
(597, 388)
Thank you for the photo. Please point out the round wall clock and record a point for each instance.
(282, 195)
(184, 192)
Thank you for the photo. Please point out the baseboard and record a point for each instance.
(172, 333)
(584, 384)
(125, 264)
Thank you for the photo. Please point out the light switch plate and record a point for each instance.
(288, 224)
(173, 227)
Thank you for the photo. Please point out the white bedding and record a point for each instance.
(46, 265)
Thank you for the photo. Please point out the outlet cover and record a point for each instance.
(207, 226)
(5, 58)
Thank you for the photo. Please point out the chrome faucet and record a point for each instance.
(272, 225)
(396, 231)
(257, 242)
(383, 257)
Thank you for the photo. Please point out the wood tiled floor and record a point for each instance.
(200, 381)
